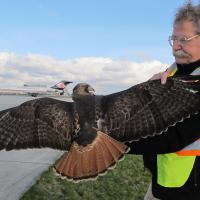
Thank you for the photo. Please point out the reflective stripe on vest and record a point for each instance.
(190, 150)
(173, 169)
(173, 69)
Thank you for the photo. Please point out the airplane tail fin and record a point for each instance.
(61, 85)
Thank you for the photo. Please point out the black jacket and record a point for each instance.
(173, 140)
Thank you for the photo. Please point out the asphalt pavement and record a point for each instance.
(20, 169)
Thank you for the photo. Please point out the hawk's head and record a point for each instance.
(82, 89)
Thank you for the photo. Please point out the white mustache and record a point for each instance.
(180, 54)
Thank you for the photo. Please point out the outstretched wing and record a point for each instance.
(149, 108)
(37, 123)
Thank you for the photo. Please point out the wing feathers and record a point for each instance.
(149, 108)
(38, 123)
(144, 110)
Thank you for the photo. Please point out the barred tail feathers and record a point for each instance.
(88, 162)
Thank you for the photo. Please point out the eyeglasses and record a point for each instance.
(182, 40)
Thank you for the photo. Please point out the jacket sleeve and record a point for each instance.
(174, 139)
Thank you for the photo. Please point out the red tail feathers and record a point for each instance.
(92, 160)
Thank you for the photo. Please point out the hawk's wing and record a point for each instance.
(38, 123)
(144, 110)
(149, 108)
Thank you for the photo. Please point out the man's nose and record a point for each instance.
(176, 45)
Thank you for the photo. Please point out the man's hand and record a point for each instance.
(162, 76)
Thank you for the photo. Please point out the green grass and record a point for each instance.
(128, 181)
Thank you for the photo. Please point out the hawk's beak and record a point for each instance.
(91, 91)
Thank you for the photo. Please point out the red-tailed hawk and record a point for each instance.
(94, 129)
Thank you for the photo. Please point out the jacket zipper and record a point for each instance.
(195, 172)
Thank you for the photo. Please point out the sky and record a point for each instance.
(111, 44)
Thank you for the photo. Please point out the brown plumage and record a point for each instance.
(94, 129)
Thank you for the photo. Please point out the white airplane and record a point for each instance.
(36, 90)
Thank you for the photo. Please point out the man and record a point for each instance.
(176, 171)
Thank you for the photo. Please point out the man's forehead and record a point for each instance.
(185, 28)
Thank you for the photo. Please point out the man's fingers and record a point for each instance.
(164, 76)
(156, 76)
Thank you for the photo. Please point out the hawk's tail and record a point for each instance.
(88, 162)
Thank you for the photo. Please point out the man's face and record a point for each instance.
(190, 50)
